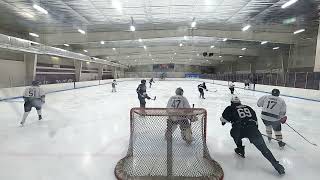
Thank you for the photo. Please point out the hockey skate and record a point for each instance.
(240, 151)
(40, 117)
(279, 168)
(281, 144)
(21, 123)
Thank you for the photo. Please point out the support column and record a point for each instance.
(78, 67)
(30, 61)
(114, 72)
(317, 58)
(100, 71)
(284, 65)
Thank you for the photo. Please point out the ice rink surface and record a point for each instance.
(86, 131)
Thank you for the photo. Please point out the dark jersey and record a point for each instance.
(240, 115)
(202, 86)
(151, 81)
(141, 90)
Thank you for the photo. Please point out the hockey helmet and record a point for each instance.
(235, 99)
(35, 83)
(179, 91)
(204, 83)
(143, 81)
(275, 92)
(114, 80)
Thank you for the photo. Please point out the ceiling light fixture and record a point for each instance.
(132, 28)
(224, 39)
(240, 56)
(243, 49)
(40, 9)
(145, 47)
(289, 3)
(140, 40)
(88, 62)
(220, 56)
(81, 31)
(67, 45)
(116, 4)
(101, 42)
(34, 34)
(211, 47)
(299, 31)
(275, 48)
(246, 27)
(114, 49)
(180, 44)
(194, 23)
(85, 50)
(264, 42)
(198, 54)
(185, 37)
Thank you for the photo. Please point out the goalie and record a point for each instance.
(175, 119)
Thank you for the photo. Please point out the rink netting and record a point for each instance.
(157, 152)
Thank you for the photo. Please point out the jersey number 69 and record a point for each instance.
(245, 112)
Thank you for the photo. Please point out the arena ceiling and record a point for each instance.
(163, 29)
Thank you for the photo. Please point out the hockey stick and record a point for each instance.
(301, 135)
(213, 91)
(279, 141)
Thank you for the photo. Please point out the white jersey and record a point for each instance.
(33, 92)
(273, 107)
(231, 85)
(178, 102)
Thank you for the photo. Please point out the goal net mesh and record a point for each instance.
(160, 146)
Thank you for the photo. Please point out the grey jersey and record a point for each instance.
(273, 107)
(34, 92)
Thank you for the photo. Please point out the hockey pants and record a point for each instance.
(253, 134)
(185, 129)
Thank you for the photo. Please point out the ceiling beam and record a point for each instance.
(170, 50)
(77, 38)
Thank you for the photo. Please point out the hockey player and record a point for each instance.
(114, 83)
(245, 125)
(246, 84)
(273, 114)
(231, 87)
(33, 96)
(184, 122)
(142, 95)
(151, 81)
(202, 87)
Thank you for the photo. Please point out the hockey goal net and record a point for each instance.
(161, 147)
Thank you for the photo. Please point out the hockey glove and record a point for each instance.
(283, 119)
(223, 123)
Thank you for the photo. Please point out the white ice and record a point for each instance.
(86, 131)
